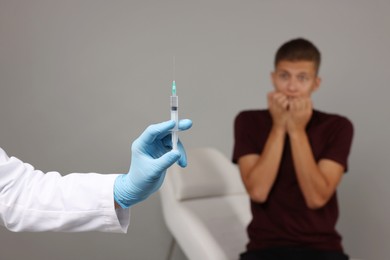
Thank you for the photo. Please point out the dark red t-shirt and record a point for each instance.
(284, 220)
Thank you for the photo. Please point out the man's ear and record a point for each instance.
(317, 83)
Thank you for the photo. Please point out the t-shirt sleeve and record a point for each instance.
(243, 144)
(340, 143)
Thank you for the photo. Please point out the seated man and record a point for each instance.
(291, 159)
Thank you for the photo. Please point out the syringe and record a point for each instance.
(175, 116)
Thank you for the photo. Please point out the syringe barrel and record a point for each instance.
(175, 111)
(174, 102)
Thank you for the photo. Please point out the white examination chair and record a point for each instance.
(206, 207)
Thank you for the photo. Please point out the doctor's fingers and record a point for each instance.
(185, 124)
(161, 130)
(156, 131)
(183, 156)
(167, 142)
(166, 160)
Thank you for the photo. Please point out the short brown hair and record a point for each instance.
(299, 50)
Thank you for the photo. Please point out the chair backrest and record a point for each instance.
(208, 174)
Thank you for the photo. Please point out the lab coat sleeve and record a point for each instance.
(31, 200)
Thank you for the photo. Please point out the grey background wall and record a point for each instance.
(81, 79)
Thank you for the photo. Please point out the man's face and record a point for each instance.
(295, 78)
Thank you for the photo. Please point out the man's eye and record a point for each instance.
(303, 78)
(284, 76)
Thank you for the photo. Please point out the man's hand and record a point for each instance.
(152, 155)
(278, 104)
(299, 113)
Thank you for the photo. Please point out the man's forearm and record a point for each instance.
(263, 174)
(312, 181)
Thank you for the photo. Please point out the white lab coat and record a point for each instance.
(31, 200)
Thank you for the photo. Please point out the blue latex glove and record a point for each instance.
(151, 157)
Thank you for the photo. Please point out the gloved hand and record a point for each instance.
(151, 157)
